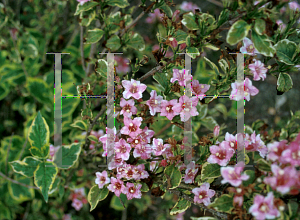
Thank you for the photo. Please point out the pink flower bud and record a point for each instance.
(119, 86)
(175, 16)
(164, 163)
(182, 46)
(216, 131)
(173, 42)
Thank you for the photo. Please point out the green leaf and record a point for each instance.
(21, 193)
(223, 204)
(237, 32)
(38, 137)
(25, 167)
(85, 7)
(263, 44)
(162, 79)
(180, 206)
(192, 52)
(210, 170)
(4, 212)
(116, 204)
(251, 179)
(119, 3)
(101, 67)
(55, 185)
(79, 124)
(39, 89)
(174, 174)
(285, 51)
(209, 123)
(66, 156)
(202, 109)
(263, 165)
(211, 46)
(224, 65)
(136, 42)
(87, 18)
(96, 195)
(145, 187)
(284, 82)
(93, 138)
(293, 208)
(259, 26)
(94, 36)
(180, 36)
(113, 43)
(44, 177)
(212, 65)
(4, 90)
(189, 21)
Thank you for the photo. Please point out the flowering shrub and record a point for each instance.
(150, 151)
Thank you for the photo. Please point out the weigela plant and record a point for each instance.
(167, 139)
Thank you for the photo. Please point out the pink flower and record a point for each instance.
(258, 70)
(220, 154)
(181, 76)
(122, 64)
(248, 47)
(182, 46)
(128, 107)
(132, 127)
(164, 163)
(109, 137)
(232, 140)
(203, 194)
(294, 5)
(241, 89)
(199, 89)
(122, 149)
(67, 217)
(77, 204)
(282, 179)
(154, 16)
(281, 25)
(143, 151)
(189, 6)
(275, 151)
(254, 143)
(158, 146)
(82, 1)
(133, 88)
(167, 108)
(263, 207)
(216, 130)
(115, 163)
(102, 179)
(233, 175)
(139, 172)
(292, 154)
(190, 172)
(154, 102)
(168, 152)
(133, 191)
(152, 166)
(186, 107)
(52, 152)
(116, 186)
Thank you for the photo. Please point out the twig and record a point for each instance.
(81, 48)
(27, 211)
(23, 148)
(87, 141)
(122, 202)
(16, 182)
(124, 214)
(7, 155)
(163, 129)
(151, 72)
(217, 214)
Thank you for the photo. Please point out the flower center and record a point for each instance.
(281, 172)
(167, 108)
(130, 124)
(202, 86)
(246, 93)
(136, 141)
(155, 101)
(128, 110)
(131, 190)
(231, 144)
(239, 190)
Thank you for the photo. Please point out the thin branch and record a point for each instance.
(163, 129)
(217, 214)
(151, 72)
(81, 48)
(23, 148)
(87, 141)
(216, 2)
(16, 182)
